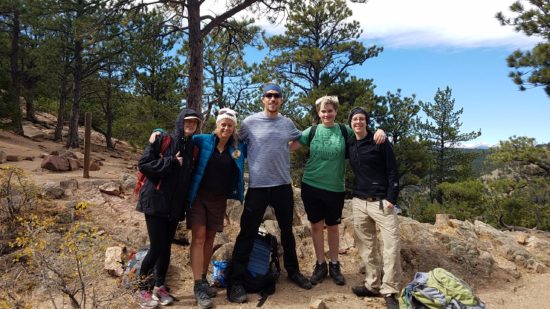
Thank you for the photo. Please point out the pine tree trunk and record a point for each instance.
(196, 62)
(61, 111)
(16, 115)
(72, 140)
(109, 117)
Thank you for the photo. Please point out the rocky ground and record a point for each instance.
(507, 269)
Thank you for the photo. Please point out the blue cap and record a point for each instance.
(271, 86)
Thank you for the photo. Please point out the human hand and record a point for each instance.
(379, 136)
(389, 204)
(153, 137)
(179, 158)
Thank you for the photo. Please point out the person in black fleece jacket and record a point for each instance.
(375, 190)
(163, 201)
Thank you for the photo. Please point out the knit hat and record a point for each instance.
(358, 110)
(271, 86)
(227, 113)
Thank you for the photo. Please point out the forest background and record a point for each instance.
(134, 65)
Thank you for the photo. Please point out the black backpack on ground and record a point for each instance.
(263, 268)
(263, 265)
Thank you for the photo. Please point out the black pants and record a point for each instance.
(256, 201)
(161, 232)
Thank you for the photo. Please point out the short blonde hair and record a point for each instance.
(326, 100)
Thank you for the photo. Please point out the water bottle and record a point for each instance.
(397, 209)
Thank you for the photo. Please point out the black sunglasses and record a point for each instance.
(272, 95)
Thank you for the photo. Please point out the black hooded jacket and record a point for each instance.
(169, 201)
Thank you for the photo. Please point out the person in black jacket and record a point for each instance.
(375, 190)
(163, 201)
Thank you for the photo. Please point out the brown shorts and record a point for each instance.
(208, 209)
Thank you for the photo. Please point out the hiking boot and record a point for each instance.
(203, 300)
(391, 301)
(237, 294)
(336, 274)
(210, 290)
(161, 295)
(301, 281)
(362, 291)
(145, 299)
(319, 273)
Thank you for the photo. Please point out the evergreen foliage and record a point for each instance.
(442, 130)
(532, 67)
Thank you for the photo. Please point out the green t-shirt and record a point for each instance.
(325, 169)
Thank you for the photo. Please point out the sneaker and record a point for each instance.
(237, 294)
(336, 274)
(161, 295)
(301, 281)
(319, 273)
(203, 300)
(361, 290)
(145, 299)
(391, 301)
(210, 290)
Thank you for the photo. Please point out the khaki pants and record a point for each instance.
(366, 217)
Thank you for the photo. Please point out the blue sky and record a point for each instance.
(431, 44)
(438, 43)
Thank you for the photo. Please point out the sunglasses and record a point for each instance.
(272, 95)
(227, 111)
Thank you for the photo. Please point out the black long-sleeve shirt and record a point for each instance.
(375, 169)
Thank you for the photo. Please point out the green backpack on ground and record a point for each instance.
(438, 289)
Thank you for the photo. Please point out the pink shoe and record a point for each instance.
(161, 295)
(146, 301)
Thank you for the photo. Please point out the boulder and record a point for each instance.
(52, 190)
(269, 214)
(223, 253)
(94, 166)
(73, 164)
(234, 211)
(69, 184)
(317, 304)
(128, 182)
(2, 157)
(55, 163)
(13, 158)
(111, 188)
(113, 261)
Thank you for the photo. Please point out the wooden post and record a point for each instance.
(87, 145)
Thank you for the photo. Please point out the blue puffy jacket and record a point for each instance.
(207, 144)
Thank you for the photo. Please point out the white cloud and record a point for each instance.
(422, 23)
(438, 23)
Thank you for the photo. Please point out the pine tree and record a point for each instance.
(442, 130)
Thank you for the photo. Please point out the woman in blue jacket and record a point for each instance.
(219, 175)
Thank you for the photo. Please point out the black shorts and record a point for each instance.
(322, 204)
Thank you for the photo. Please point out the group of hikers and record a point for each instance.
(193, 178)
